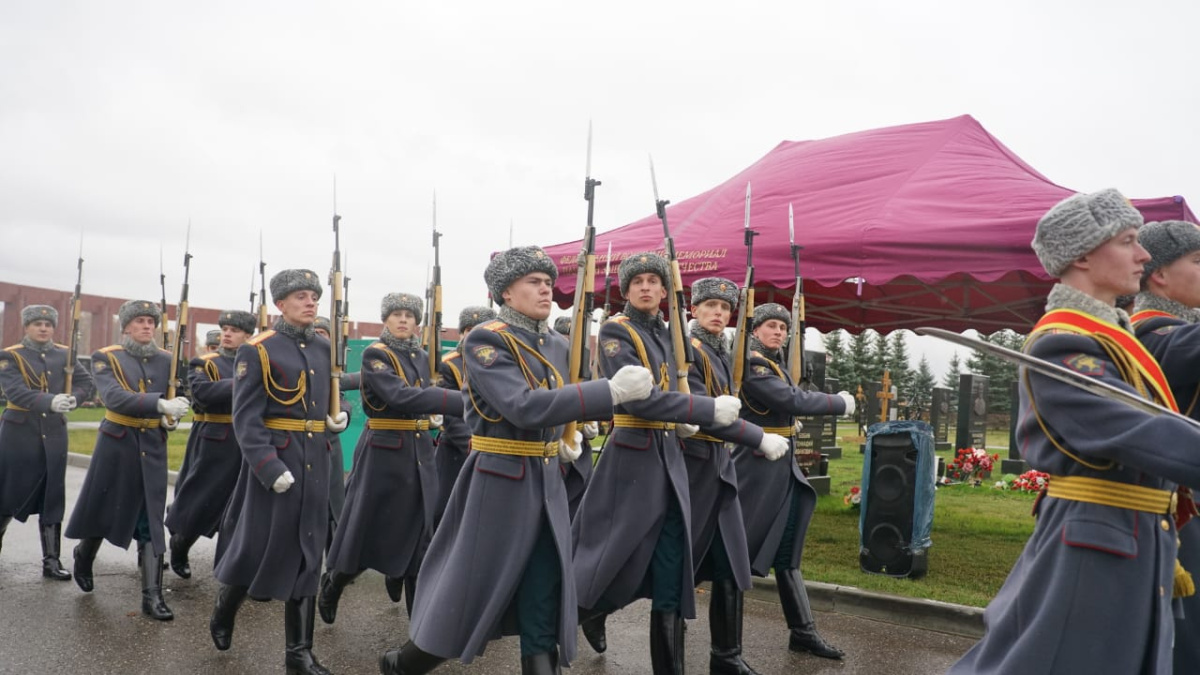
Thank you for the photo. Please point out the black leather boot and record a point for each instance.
(333, 583)
(4, 521)
(180, 545)
(85, 555)
(408, 660)
(153, 604)
(298, 620)
(229, 600)
(545, 663)
(594, 630)
(394, 587)
(725, 625)
(666, 643)
(51, 541)
(798, 612)
(410, 594)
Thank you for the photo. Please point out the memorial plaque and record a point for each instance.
(972, 411)
(941, 414)
(1014, 464)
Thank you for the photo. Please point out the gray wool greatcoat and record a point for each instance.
(392, 491)
(272, 543)
(712, 474)
(128, 471)
(454, 440)
(214, 458)
(33, 440)
(770, 399)
(618, 523)
(1091, 592)
(501, 502)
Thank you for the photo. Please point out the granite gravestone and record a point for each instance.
(972, 412)
(941, 414)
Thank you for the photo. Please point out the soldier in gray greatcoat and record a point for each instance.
(1092, 590)
(632, 532)
(214, 457)
(392, 490)
(578, 474)
(777, 501)
(33, 433)
(273, 533)
(125, 491)
(719, 549)
(500, 561)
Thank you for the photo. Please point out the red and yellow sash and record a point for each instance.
(1149, 314)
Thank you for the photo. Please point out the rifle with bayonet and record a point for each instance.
(263, 321)
(337, 327)
(795, 358)
(179, 357)
(162, 283)
(745, 316)
(434, 318)
(585, 286)
(676, 307)
(252, 293)
(346, 300)
(76, 313)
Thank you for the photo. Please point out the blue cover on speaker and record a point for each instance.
(924, 486)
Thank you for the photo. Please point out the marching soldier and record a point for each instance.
(33, 434)
(212, 341)
(777, 501)
(719, 549)
(501, 555)
(125, 491)
(455, 438)
(1091, 591)
(274, 530)
(393, 487)
(214, 457)
(632, 531)
(578, 474)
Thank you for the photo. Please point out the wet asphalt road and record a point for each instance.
(53, 627)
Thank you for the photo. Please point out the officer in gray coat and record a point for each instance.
(273, 533)
(1091, 591)
(125, 491)
(632, 532)
(719, 550)
(500, 561)
(454, 440)
(577, 474)
(392, 491)
(33, 433)
(777, 501)
(215, 459)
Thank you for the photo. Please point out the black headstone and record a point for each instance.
(1014, 464)
(872, 406)
(973, 398)
(941, 415)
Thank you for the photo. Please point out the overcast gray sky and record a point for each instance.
(126, 119)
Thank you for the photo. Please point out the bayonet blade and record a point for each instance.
(653, 178)
(608, 261)
(587, 170)
(791, 226)
(747, 220)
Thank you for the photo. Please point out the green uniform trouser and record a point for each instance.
(783, 555)
(666, 565)
(716, 560)
(539, 596)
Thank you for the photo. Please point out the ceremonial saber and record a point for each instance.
(1057, 372)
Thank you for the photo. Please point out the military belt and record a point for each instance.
(127, 421)
(289, 424)
(507, 446)
(214, 418)
(1111, 493)
(786, 432)
(704, 437)
(397, 425)
(14, 406)
(631, 422)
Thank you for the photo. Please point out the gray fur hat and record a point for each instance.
(212, 338)
(321, 323)
(473, 316)
(718, 288)
(396, 301)
(238, 318)
(286, 282)
(1167, 241)
(510, 265)
(563, 325)
(38, 313)
(640, 263)
(771, 310)
(1078, 224)
(132, 309)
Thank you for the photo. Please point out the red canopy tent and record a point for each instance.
(917, 225)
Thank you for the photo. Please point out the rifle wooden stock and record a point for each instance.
(679, 344)
(177, 355)
(337, 353)
(741, 340)
(796, 339)
(435, 333)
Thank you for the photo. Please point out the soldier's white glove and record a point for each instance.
(851, 404)
(62, 403)
(686, 430)
(337, 424)
(174, 408)
(773, 446)
(630, 383)
(435, 421)
(284, 482)
(568, 453)
(589, 430)
(726, 410)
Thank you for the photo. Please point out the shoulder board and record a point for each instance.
(377, 345)
(209, 356)
(495, 325)
(112, 348)
(619, 318)
(447, 358)
(257, 339)
(62, 346)
(755, 355)
(696, 343)
(13, 348)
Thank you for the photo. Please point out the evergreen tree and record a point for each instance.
(1000, 372)
(922, 389)
(857, 362)
(950, 379)
(835, 355)
(899, 367)
(876, 361)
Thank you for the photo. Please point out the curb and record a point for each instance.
(83, 461)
